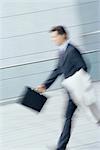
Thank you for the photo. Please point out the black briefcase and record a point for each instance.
(32, 99)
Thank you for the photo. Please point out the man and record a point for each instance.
(70, 61)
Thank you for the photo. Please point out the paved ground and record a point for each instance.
(23, 129)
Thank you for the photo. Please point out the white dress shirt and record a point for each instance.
(63, 46)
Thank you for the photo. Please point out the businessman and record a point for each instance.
(70, 61)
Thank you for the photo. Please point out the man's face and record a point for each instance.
(57, 38)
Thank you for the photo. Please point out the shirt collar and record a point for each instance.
(64, 46)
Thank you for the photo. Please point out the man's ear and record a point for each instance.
(65, 36)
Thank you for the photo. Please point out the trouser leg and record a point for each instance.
(65, 135)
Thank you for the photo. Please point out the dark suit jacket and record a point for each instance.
(71, 62)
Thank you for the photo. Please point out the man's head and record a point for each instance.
(59, 35)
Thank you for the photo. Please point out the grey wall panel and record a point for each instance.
(31, 23)
(28, 44)
(34, 56)
(28, 58)
(14, 87)
(92, 57)
(24, 70)
(51, 54)
(90, 47)
(91, 38)
(88, 12)
(14, 8)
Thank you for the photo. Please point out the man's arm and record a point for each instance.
(53, 76)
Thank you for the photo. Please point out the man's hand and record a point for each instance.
(41, 88)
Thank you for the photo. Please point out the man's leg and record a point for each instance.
(65, 135)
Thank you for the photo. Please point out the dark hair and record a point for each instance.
(60, 29)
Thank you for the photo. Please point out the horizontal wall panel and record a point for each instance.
(14, 87)
(24, 70)
(10, 8)
(31, 23)
(91, 38)
(36, 23)
(90, 47)
(15, 8)
(51, 54)
(91, 42)
(93, 26)
(91, 58)
(26, 44)
(28, 59)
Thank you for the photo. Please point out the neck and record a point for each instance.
(64, 41)
(64, 45)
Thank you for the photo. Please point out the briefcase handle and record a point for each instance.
(34, 89)
(37, 91)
